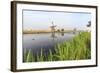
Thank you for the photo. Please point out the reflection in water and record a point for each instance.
(53, 35)
(33, 39)
(62, 33)
(46, 41)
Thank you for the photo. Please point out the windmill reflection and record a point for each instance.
(62, 34)
(53, 32)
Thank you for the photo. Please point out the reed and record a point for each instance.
(29, 57)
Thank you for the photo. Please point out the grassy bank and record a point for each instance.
(76, 49)
(45, 31)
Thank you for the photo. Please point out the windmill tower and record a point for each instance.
(53, 27)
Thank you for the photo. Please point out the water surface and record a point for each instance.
(46, 41)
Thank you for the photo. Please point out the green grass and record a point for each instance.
(29, 57)
(78, 48)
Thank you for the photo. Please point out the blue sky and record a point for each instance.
(43, 20)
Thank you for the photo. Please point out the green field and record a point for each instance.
(78, 48)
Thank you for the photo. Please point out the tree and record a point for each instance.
(62, 30)
(58, 30)
(89, 24)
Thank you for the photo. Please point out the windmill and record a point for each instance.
(53, 27)
(53, 30)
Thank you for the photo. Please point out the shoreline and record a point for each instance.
(44, 32)
(41, 32)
